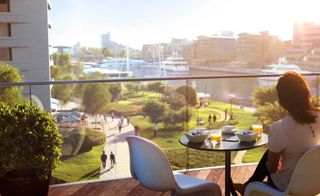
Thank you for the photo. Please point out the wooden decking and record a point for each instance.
(130, 186)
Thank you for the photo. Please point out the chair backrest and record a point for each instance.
(150, 165)
(305, 179)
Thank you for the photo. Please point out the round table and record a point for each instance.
(227, 147)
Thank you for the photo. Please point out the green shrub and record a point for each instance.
(29, 140)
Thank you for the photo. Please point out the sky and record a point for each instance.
(138, 22)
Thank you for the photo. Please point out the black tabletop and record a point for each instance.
(225, 145)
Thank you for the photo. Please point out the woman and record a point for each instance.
(291, 136)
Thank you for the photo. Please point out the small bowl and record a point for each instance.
(247, 135)
(229, 129)
(196, 137)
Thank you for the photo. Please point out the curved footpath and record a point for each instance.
(116, 142)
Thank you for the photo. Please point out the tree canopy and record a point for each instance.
(189, 93)
(95, 98)
(154, 110)
(10, 94)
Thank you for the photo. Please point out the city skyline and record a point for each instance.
(147, 22)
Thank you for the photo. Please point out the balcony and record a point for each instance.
(81, 173)
(129, 186)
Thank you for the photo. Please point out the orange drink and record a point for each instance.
(257, 128)
(216, 136)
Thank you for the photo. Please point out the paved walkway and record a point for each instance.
(116, 142)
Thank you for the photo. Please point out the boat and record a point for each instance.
(175, 63)
(276, 69)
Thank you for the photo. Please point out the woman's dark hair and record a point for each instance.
(294, 96)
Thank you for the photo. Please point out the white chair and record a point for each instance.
(305, 179)
(150, 165)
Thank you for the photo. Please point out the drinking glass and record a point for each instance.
(258, 128)
(216, 136)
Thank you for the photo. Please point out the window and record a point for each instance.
(5, 30)
(4, 6)
(5, 54)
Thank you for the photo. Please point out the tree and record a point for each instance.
(106, 52)
(154, 110)
(63, 92)
(61, 59)
(95, 98)
(189, 93)
(176, 101)
(115, 90)
(264, 95)
(12, 95)
(158, 87)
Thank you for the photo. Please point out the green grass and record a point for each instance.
(85, 166)
(254, 155)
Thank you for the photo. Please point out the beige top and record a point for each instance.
(294, 139)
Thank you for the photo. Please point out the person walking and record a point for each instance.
(112, 115)
(112, 159)
(128, 119)
(214, 118)
(209, 119)
(225, 114)
(154, 129)
(104, 158)
(119, 125)
(136, 130)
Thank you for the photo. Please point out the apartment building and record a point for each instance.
(24, 42)
(306, 45)
(214, 50)
(258, 49)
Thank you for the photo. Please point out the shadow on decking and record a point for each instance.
(129, 186)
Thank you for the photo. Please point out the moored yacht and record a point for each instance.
(175, 63)
(276, 69)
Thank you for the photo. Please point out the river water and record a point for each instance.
(239, 89)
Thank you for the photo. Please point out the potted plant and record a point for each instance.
(30, 147)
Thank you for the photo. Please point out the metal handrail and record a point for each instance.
(200, 77)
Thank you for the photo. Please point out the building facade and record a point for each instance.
(305, 49)
(258, 49)
(24, 42)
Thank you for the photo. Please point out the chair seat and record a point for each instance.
(260, 188)
(188, 184)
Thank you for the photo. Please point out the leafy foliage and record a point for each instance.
(177, 118)
(96, 98)
(154, 110)
(10, 94)
(115, 90)
(176, 101)
(29, 140)
(158, 87)
(264, 95)
(189, 93)
(63, 92)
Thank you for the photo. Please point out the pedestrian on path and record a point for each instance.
(112, 159)
(128, 119)
(112, 115)
(119, 125)
(225, 114)
(136, 130)
(209, 119)
(214, 118)
(104, 158)
(154, 129)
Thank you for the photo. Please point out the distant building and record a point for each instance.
(214, 50)
(106, 42)
(24, 42)
(76, 50)
(306, 44)
(258, 50)
(63, 49)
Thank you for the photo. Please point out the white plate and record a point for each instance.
(229, 132)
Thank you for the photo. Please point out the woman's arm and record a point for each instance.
(273, 161)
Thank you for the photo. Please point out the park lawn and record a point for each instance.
(84, 166)
(254, 155)
(245, 118)
(168, 140)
